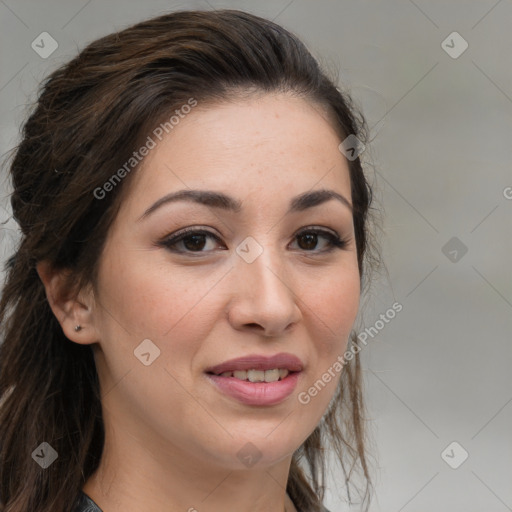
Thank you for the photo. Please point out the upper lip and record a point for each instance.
(259, 362)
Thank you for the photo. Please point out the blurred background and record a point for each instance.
(434, 80)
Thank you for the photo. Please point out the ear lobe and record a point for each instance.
(69, 307)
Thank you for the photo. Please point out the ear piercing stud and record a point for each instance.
(78, 328)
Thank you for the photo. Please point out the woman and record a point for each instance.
(177, 315)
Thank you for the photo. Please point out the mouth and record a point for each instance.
(276, 366)
(256, 379)
(253, 375)
(260, 393)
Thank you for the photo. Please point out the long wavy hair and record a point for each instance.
(90, 115)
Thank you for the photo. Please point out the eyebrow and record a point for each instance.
(220, 200)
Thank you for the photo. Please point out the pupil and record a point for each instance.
(194, 246)
(312, 238)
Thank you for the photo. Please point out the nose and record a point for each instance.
(263, 296)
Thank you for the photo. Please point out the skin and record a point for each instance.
(171, 437)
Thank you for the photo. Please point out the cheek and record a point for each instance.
(332, 312)
(333, 308)
(151, 299)
(173, 307)
(145, 300)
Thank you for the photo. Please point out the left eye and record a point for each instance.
(310, 236)
(193, 240)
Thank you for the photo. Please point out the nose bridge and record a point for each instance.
(264, 290)
(260, 264)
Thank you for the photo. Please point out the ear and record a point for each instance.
(70, 309)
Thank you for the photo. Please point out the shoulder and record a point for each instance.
(85, 504)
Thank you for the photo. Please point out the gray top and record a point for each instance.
(85, 504)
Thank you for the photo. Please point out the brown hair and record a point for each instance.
(91, 114)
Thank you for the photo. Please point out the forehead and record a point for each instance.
(268, 142)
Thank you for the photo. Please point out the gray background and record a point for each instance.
(438, 372)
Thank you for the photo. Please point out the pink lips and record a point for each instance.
(257, 393)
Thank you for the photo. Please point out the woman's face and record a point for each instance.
(255, 281)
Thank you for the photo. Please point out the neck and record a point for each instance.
(164, 479)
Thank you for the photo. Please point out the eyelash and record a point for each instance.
(335, 242)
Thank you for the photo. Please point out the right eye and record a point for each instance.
(190, 240)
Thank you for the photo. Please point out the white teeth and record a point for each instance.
(283, 373)
(272, 375)
(258, 375)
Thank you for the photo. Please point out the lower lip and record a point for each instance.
(256, 393)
